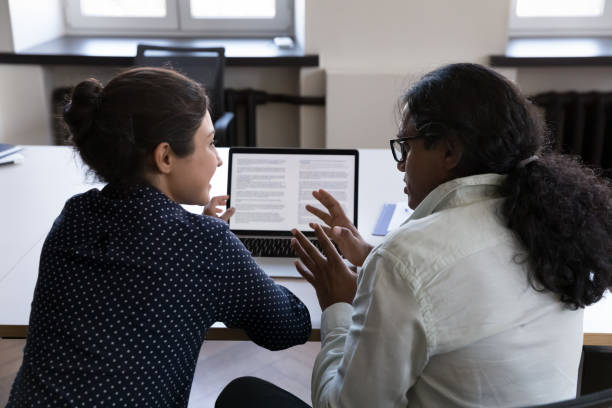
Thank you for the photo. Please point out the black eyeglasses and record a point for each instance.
(400, 147)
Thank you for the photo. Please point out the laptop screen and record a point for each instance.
(270, 187)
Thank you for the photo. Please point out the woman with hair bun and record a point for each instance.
(477, 299)
(129, 281)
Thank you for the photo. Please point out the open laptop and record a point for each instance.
(270, 189)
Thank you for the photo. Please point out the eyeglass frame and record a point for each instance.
(403, 140)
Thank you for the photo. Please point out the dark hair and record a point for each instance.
(115, 128)
(560, 210)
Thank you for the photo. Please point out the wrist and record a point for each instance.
(335, 302)
(338, 315)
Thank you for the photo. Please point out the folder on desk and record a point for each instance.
(8, 149)
(8, 153)
(391, 216)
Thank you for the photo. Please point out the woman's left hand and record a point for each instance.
(332, 279)
(212, 208)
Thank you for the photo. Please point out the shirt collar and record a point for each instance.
(459, 192)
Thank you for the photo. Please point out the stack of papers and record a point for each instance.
(9, 153)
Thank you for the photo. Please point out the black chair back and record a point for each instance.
(601, 399)
(204, 65)
(596, 369)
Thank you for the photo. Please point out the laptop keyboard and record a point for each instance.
(272, 247)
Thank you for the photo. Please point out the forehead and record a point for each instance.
(207, 126)
(205, 130)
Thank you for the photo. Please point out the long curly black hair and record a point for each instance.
(560, 209)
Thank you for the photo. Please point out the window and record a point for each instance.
(232, 9)
(560, 17)
(129, 15)
(219, 17)
(212, 17)
(133, 8)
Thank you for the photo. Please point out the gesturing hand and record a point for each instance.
(332, 279)
(213, 210)
(340, 229)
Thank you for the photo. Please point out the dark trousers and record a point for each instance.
(251, 392)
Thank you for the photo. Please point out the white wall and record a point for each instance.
(373, 50)
(391, 36)
(35, 21)
(6, 36)
(361, 108)
(312, 118)
(24, 107)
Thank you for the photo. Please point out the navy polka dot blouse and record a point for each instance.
(129, 283)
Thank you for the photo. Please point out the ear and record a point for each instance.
(453, 152)
(163, 158)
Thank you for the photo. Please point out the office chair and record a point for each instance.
(601, 399)
(204, 65)
(596, 369)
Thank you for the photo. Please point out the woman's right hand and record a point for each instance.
(212, 208)
(340, 229)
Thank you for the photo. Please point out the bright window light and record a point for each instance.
(123, 8)
(233, 8)
(559, 8)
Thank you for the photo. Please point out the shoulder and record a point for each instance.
(210, 232)
(203, 226)
(83, 198)
(79, 204)
(429, 244)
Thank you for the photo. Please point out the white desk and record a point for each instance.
(34, 193)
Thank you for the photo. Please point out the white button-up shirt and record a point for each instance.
(444, 316)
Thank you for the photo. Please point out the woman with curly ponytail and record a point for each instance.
(129, 281)
(477, 299)
(559, 209)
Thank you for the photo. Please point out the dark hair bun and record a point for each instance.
(115, 129)
(80, 111)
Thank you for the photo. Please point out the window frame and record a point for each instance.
(560, 26)
(179, 22)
